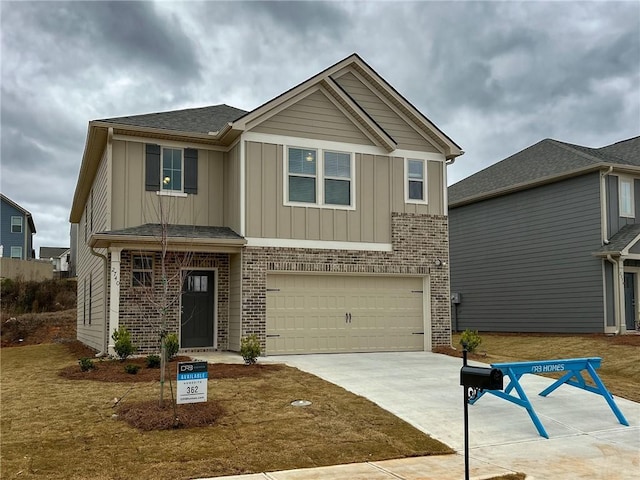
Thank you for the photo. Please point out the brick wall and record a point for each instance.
(140, 307)
(418, 240)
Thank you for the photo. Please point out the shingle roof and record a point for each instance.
(177, 231)
(546, 159)
(52, 252)
(620, 240)
(197, 120)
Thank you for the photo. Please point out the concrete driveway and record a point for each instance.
(586, 441)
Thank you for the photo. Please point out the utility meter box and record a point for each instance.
(481, 377)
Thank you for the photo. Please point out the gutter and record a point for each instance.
(603, 206)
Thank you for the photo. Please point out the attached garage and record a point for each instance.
(346, 313)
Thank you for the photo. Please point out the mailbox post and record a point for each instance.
(475, 380)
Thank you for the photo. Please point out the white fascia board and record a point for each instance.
(319, 244)
(339, 146)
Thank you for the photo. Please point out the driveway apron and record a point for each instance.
(586, 441)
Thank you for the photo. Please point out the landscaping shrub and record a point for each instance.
(123, 345)
(153, 361)
(131, 369)
(250, 349)
(172, 345)
(86, 364)
(471, 339)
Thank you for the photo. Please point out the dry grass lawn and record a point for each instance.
(54, 427)
(620, 354)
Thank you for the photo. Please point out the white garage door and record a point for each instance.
(331, 313)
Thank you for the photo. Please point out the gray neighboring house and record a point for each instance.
(59, 258)
(547, 241)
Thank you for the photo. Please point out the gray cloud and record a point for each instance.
(495, 76)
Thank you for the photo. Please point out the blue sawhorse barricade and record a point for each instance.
(572, 376)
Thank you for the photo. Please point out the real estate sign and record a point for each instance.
(192, 382)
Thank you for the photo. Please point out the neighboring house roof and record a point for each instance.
(621, 242)
(25, 212)
(149, 233)
(52, 252)
(546, 161)
(221, 125)
(200, 120)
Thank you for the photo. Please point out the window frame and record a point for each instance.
(17, 217)
(407, 181)
(320, 177)
(630, 213)
(170, 191)
(135, 283)
(16, 249)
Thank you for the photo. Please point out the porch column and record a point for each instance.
(114, 297)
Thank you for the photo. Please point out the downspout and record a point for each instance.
(105, 264)
(616, 293)
(603, 206)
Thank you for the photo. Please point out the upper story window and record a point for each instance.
(142, 271)
(625, 195)
(302, 175)
(415, 181)
(337, 178)
(16, 224)
(172, 169)
(16, 252)
(319, 178)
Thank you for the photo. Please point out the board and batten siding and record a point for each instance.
(315, 116)
(403, 133)
(523, 262)
(379, 183)
(231, 188)
(92, 291)
(133, 205)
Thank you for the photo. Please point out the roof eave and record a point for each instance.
(543, 181)
(152, 243)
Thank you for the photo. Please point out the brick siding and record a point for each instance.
(417, 240)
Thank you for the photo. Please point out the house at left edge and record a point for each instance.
(16, 230)
(317, 221)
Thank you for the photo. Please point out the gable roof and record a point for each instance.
(25, 212)
(621, 242)
(221, 125)
(544, 162)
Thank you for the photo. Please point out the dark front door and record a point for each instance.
(630, 300)
(198, 310)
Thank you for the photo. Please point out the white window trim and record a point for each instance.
(624, 179)
(320, 178)
(425, 189)
(16, 249)
(21, 223)
(167, 191)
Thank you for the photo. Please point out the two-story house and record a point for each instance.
(16, 230)
(546, 241)
(317, 221)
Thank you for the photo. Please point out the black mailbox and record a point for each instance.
(481, 377)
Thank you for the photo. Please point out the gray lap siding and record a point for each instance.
(418, 240)
(523, 262)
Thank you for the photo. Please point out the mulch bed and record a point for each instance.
(114, 371)
(149, 415)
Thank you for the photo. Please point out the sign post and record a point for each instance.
(192, 382)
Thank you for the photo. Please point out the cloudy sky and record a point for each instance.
(495, 76)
